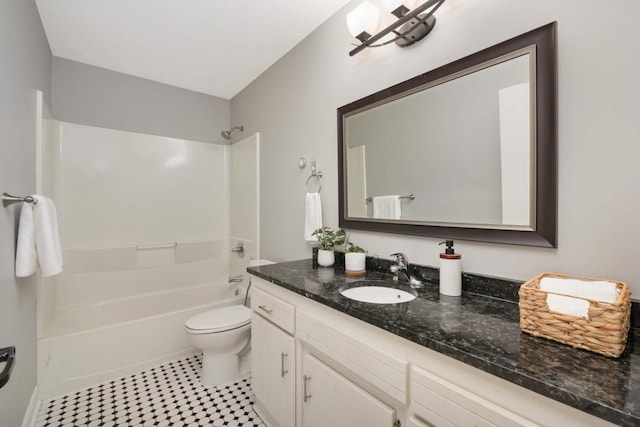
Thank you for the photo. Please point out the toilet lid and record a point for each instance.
(220, 319)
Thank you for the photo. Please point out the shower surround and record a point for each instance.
(146, 234)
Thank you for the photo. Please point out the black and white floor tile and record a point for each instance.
(167, 395)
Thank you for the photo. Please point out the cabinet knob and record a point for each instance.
(306, 380)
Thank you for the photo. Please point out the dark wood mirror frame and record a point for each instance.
(545, 232)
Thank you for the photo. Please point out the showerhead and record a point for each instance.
(226, 134)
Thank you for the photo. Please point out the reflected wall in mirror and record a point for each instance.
(473, 143)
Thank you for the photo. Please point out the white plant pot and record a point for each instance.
(355, 261)
(326, 258)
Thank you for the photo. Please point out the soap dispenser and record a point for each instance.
(450, 271)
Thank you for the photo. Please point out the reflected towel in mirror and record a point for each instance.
(387, 207)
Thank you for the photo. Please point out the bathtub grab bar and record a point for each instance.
(7, 355)
(8, 199)
(161, 246)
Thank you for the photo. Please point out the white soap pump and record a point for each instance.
(450, 271)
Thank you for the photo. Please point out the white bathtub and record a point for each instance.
(87, 345)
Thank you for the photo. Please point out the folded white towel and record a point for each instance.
(38, 239)
(387, 207)
(312, 216)
(597, 290)
(568, 305)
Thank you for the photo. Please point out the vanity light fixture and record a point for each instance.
(412, 25)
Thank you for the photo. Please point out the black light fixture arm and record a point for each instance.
(434, 4)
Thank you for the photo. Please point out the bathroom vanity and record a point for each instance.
(323, 359)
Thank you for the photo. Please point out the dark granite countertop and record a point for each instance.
(483, 331)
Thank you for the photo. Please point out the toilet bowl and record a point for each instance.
(223, 335)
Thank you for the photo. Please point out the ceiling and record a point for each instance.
(215, 47)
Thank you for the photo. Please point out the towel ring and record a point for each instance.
(316, 176)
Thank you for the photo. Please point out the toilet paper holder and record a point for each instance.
(7, 355)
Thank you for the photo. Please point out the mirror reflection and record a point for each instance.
(459, 151)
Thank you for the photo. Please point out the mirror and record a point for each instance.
(465, 151)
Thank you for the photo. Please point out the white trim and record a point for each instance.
(31, 415)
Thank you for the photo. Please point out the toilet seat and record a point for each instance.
(219, 320)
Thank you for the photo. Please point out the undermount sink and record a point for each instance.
(378, 292)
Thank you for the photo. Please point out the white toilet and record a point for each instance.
(224, 336)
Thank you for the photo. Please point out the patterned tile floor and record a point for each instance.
(167, 395)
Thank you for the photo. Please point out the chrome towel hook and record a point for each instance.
(8, 199)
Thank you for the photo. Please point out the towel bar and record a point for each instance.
(410, 197)
(8, 199)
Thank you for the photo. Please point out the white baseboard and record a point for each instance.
(30, 417)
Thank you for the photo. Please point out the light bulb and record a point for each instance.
(363, 20)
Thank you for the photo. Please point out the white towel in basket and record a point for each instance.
(598, 290)
(568, 305)
(575, 293)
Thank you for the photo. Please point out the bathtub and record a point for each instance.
(87, 345)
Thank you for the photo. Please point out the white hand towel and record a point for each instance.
(568, 305)
(312, 216)
(26, 255)
(38, 239)
(387, 207)
(595, 290)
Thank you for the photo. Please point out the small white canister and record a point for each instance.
(450, 271)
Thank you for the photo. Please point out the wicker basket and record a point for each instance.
(604, 332)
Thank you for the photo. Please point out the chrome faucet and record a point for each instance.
(401, 269)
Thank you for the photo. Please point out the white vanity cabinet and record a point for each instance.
(330, 399)
(273, 359)
(350, 373)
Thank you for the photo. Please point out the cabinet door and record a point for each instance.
(273, 371)
(329, 399)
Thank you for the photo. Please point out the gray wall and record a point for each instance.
(25, 65)
(94, 96)
(293, 105)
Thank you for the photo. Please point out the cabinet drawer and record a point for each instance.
(443, 403)
(280, 312)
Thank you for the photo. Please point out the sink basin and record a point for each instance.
(376, 292)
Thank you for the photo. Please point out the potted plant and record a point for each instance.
(354, 259)
(328, 240)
